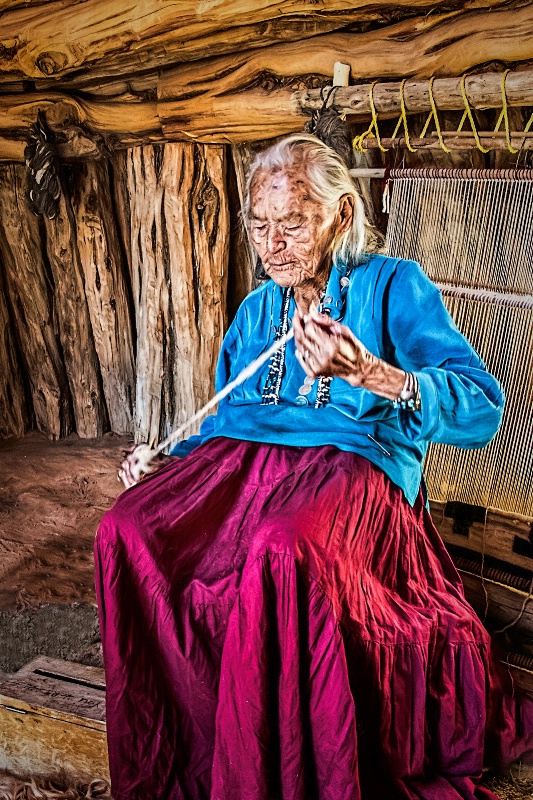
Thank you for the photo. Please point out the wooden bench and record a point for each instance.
(52, 721)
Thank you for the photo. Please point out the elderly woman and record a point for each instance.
(280, 619)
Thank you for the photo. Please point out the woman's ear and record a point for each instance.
(346, 212)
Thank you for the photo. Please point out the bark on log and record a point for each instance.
(151, 34)
(179, 244)
(482, 91)
(489, 142)
(13, 412)
(119, 178)
(77, 341)
(245, 257)
(218, 89)
(106, 290)
(11, 150)
(249, 95)
(32, 301)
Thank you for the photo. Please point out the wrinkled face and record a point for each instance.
(291, 232)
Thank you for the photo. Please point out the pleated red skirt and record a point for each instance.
(279, 624)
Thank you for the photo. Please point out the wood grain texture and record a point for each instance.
(495, 538)
(250, 94)
(13, 412)
(29, 287)
(501, 605)
(52, 721)
(246, 93)
(179, 246)
(77, 341)
(106, 290)
(483, 91)
(243, 257)
(151, 34)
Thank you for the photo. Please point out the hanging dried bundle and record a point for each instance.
(44, 188)
(331, 129)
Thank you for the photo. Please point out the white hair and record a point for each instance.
(329, 180)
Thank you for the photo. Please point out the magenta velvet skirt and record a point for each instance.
(279, 624)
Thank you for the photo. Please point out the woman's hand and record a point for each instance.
(133, 469)
(325, 347)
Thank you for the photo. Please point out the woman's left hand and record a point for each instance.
(325, 347)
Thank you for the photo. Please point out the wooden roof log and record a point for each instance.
(487, 140)
(126, 38)
(251, 95)
(482, 90)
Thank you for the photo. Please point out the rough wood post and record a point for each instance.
(31, 298)
(13, 412)
(106, 290)
(179, 246)
(75, 329)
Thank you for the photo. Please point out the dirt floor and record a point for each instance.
(52, 497)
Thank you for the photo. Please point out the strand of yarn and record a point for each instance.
(468, 114)
(434, 115)
(504, 115)
(145, 454)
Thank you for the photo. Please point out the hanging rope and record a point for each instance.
(358, 140)
(403, 119)
(468, 113)
(433, 114)
(505, 117)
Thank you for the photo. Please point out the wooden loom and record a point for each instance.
(472, 230)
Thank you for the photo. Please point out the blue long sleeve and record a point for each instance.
(462, 403)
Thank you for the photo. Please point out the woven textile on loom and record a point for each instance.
(472, 232)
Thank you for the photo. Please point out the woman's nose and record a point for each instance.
(275, 239)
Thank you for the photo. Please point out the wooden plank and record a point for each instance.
(106, 290)
(34, 312)
(66, 691)
(501, 606)
(71, 702)
(32, 744)
(66, 669)
(52, 721)
(495, 537)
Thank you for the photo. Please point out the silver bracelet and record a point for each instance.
(409, 397)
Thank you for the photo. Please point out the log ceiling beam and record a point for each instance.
(483, 91)
(259, 94)
(114, 37)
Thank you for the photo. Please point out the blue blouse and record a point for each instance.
(398, 314)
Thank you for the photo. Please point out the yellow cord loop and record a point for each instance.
(468, 113)
(358, 140)
(433, 114)
(505, 117)
(403, 119)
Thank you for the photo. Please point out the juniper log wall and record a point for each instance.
(112, 314)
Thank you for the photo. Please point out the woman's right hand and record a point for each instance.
(129, 472)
